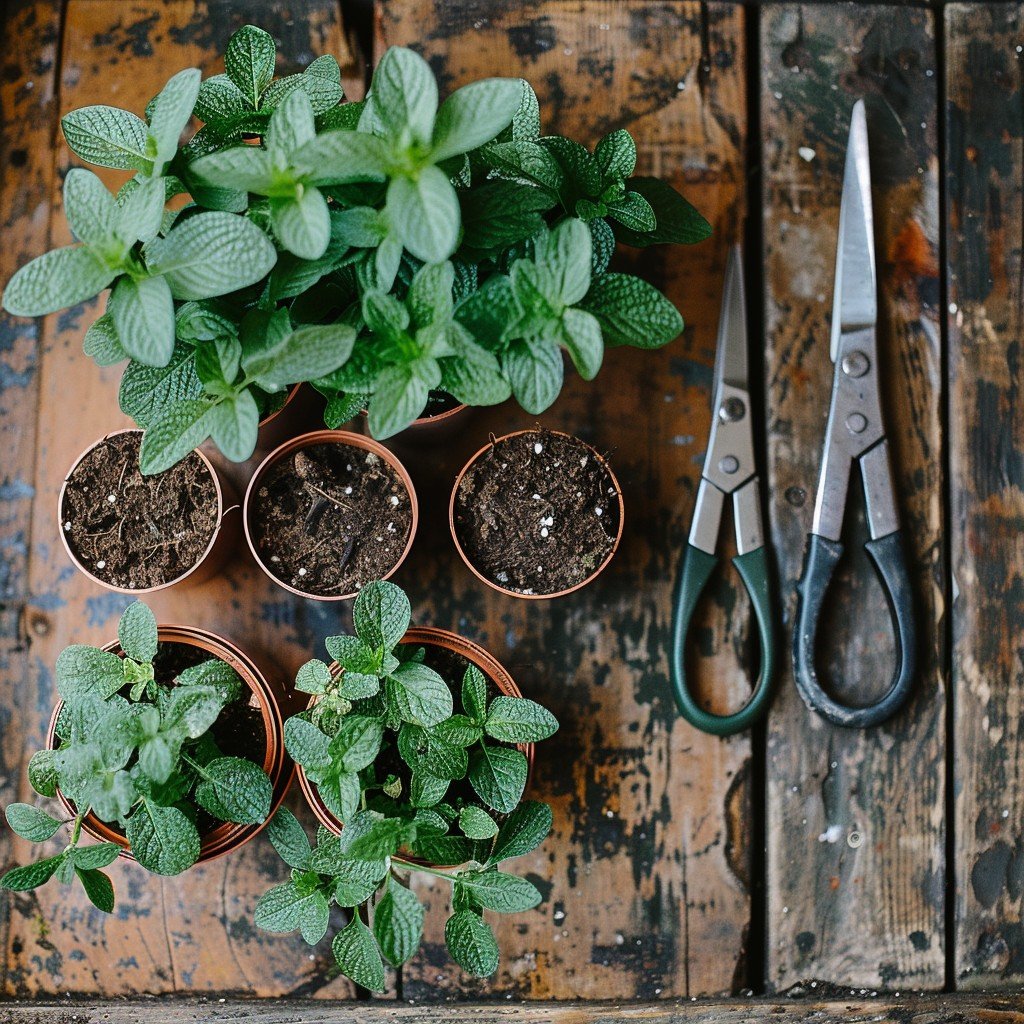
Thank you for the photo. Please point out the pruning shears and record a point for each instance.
(855, 432)
(729, 471)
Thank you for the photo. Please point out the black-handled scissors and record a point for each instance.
(855, 431)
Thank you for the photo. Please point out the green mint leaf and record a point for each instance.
(616, 155)
(498, 776)
(314, 917)
(399, 396)
(497, 890)
(634, 211)
(425, 212)
(356, 744)
(471, 943)
(357, 954)
(235, 424)
(147, 391)
(430, 294)
(163, 839)
(42, 772)
(288, 837)
(385, 315)
(179, 427)
(353, 655)
(603, 239)
(31, 876)
(678, 221)
(90, 210)
(404, 94)
(216, 674)
(476, 823)
(536, 375)
(143, 313)
(474, 694)
(523, 831)
(474, 376)
(279, 908)
(307, 745)
(459, 730)
(220, 100)
(398, 923)
(303, 224)
(171, 110)
(84, 671)
(356, 881)
(341, 793)
(339, 158)
(526, 121)
(98, 888)
(525, 160)
(307, 353)
(211, 254)
(234, 789)
(137, 632)
(157, 759)
(632, 312)
(422, 697)
(582, 172)
(581, 335)
(140, 212)
(474, 114)
(322, 89)
(194, 708)
(246, 168)
(378, 838)
(90, 858)
(499, 214)
(519, 720)
(388, 260)
(361, 227)
(108, 137)
(566, 254)
(381, 615)
(313, 677)
(249, 61)
(449, 850)
(425, 790)
(31, 823)
(59, 278)
(101, 342)
(291, 125)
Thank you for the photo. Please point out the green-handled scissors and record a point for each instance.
(729, 469)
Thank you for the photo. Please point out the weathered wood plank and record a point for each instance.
(193, 932)
(984, 167)
(646, 875)
(27, 111)
(856, 870)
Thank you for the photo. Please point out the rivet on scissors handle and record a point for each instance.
(856, 364)
(729, 464)
(856, 423)
(732, 409)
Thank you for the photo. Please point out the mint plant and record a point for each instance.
(383, 249)
(417, 784)
(137, 752)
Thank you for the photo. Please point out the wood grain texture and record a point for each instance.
(193, 932)
(856, 869)
(646, 876)
(984, 167)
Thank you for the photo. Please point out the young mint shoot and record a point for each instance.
(136, 752)
(422, 770)
(383, 250)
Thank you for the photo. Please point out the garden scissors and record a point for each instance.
(855, 431)
(729, 470)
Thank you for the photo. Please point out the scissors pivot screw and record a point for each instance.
(856, 364)
(729, 464)
(733, 409)
(856, 423)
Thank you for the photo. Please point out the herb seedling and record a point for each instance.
(380, 249)
(417, 784)
(136, 751)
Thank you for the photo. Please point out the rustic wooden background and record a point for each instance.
(800, 858)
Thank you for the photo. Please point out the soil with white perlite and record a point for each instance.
(537, 513)
(132, 531)
(329, 518)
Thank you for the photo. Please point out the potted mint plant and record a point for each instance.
(397, 252)
(165, 746)
(415, 753)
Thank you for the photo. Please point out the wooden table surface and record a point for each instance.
(799, 859)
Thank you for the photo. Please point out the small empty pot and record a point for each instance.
(536, 514)
(328, 512)
(136, 534)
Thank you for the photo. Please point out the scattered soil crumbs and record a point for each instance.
(330, 518)
(537, 513)
(135, 531)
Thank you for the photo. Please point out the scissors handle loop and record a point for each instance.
(693, 577)
(889, 558)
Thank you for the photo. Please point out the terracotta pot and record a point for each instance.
(227, 836)
(328, 437)
(426, 429)
(222, 543)
(429, 636)
(513, 593)
(294, 417)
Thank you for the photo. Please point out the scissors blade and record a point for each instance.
(731, 351)
(854, 302)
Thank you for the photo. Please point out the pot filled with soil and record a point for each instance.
(136, 534)
(328, 512)
(536, 514)
(239, 756)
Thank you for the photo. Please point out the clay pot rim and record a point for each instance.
(423, 422)
(473, 652)
(138, 591)
(354, 440)
(494, 442)
(227, 836)
(292, 392)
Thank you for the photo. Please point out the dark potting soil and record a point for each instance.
(330, 518)
(135, 531)
(537, 513)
